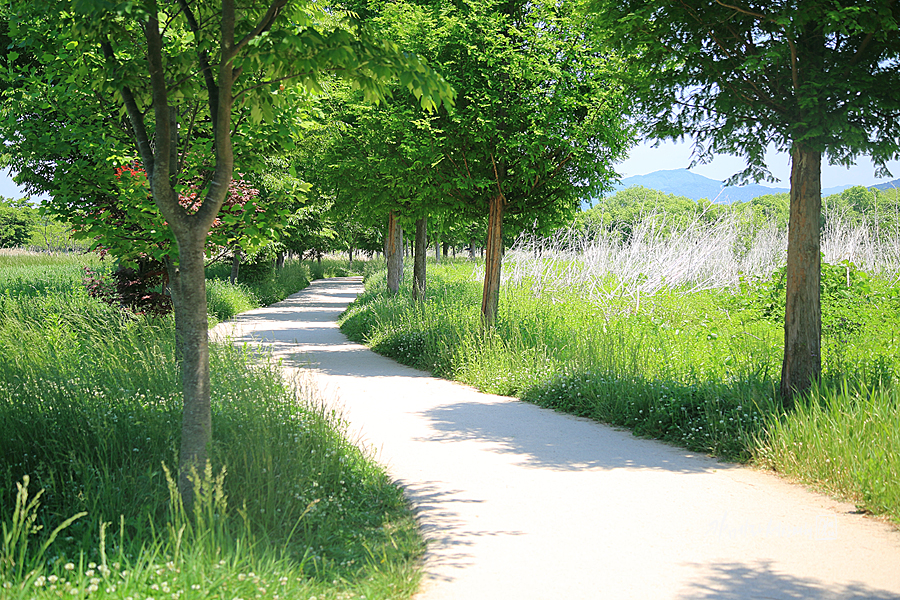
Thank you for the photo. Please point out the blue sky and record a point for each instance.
(645, 159)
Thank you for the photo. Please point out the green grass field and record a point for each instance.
(697, 368)
(90, 421)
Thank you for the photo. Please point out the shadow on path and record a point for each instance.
(554, 446)
(743, 581)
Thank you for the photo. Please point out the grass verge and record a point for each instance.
(90, 418)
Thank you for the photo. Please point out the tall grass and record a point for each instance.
(224, 299)
(688, 350)
(604, 266)
(90, 414)
(844, 438)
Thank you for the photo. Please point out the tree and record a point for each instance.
(17, 222)
(162, 55)
(810, 76)
(537, 124)
(382, 162)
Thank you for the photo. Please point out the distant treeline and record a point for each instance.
(878, 210)
(22, 225)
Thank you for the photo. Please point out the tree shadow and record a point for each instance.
(569, 443)
(746, 581)
(444, 530)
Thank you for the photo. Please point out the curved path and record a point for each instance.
(520, 502)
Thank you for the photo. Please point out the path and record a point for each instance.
(520, 502)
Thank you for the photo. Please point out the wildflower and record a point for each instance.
(69, 566)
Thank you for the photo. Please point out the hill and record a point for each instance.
(887, 186)
(684, 183)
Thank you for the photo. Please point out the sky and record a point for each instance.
(8, 189)
(645, 159)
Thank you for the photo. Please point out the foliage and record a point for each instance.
(622, 211)
(136, 289)
(90, 409)
(17, 223)
(848, 295)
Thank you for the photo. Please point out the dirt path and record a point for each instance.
(520, 502)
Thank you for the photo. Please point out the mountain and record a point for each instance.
(886, 186)
(682, 182)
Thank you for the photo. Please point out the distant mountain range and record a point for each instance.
(682, 182)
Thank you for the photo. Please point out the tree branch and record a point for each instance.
(264, 24)
(743, 11)
(134, 115)
(212, 90)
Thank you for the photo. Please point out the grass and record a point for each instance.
(90, 415)
(687, 362)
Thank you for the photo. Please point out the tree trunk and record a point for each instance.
(188, 285)
(437, 250)
(279, 260)
(491, 294)
(472, 249)
(350, 252)
(803, 313)
(235, 266)
(446, 250)
(393, 253)
(421, 247)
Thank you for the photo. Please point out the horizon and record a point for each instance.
(644, 159)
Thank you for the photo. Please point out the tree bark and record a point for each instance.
(393, 252)
(446, 250)
(803, 313)
(437, 250)
(279, 260)
(490, 299)
(421, 248)
(235, 266)
(188, 284)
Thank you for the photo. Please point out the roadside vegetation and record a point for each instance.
(90, 423)
(676, 333)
